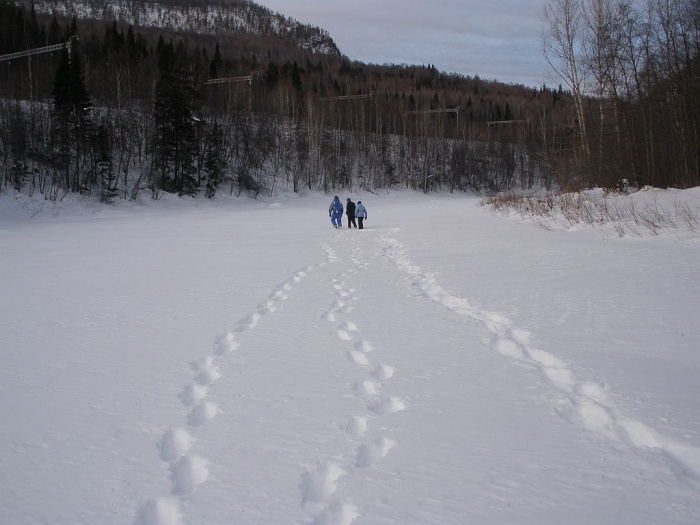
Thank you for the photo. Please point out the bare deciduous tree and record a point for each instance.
(563, 48)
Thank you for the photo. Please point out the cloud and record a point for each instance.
(499, 39)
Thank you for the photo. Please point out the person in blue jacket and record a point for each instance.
(335, 212)
(361, 214)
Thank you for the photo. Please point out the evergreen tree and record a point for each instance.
(296, 78)
(105, 169)
(71, 114)
(272, 74)
(175, 136)
(215, 65)
(214, 164)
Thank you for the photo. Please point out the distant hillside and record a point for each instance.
(214, 17)
(274, 99)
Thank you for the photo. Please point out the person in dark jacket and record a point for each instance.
(350, 212)
(361, 214)
(335, 212)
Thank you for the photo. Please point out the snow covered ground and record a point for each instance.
(242, 362)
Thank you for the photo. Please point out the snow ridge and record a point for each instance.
(189, 470)
(585, 404)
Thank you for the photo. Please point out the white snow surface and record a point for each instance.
(242, 362)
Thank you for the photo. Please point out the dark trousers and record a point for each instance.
(351, 221)
(360, 220)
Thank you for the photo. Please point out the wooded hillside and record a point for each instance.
(129, 108)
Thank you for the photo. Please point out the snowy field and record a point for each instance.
(242, 362)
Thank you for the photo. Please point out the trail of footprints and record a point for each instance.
(586, 404)
(319, 485)
(583, 403)
(187, 468)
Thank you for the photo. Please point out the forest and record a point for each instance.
(116, 110)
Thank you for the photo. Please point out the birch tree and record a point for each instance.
(563, 47)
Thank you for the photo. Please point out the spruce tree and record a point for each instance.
(175, 136)
(214, 165)
(71, 114)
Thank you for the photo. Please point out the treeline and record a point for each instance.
(633, 71)
(131, 109)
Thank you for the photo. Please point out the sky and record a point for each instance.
(203, 361)
(496, 39)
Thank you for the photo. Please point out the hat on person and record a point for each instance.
(348, 199)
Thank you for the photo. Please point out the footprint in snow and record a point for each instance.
(561, 378)
(174, 444)
(319, 484)
(207, 377)
(383, 372)
(202, 364)
(686, 456)
(363, 346)
(509, 348)
(267, 307)
(159, 511)
(226, 343)
(520, 336)
(369, 453)
(340, 305)
(193, 394)
(388, 405)
(366, 388)
(359, 358)
(248, 323)
(356, 427)
(588, 414)
(345, 335)
(207, 373)
(202, 413)
(252, 320)
(350, 327)
(545, 358)
(598, 392)
(188, 472)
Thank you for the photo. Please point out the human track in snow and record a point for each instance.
(319, 495)
(318, 487)
(586, 404)
(188, 469)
